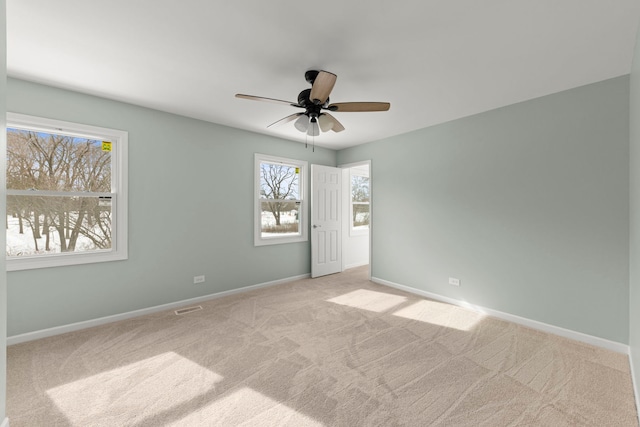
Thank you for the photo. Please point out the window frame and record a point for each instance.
(119, 196)
(352, 230)
(303, 235)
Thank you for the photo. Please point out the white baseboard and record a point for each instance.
(5, 423)
(578, 336)
(358, 264)
(533, 324)
(30, 336)
(635, 386)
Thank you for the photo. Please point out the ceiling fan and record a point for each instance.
(315, 102)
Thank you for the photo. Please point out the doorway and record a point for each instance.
(356, 215)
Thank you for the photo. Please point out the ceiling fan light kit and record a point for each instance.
(315, 101)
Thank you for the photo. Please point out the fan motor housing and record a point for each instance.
(311, 109)
(303, 98)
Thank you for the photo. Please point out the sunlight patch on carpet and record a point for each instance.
(369, 300)
(247, 407)
(133, 391)
(441, 314)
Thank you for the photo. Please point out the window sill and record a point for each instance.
(60, 260)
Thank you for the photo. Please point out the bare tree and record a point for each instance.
(279, 183)
(58, 163)
(360, 199)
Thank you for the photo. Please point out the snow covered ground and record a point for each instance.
(269, 220)
(24, 245)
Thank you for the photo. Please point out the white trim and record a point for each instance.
(636, 392)
(45, 193)
(61, 127)
(57, 330)
(5, 423)
(533, 324)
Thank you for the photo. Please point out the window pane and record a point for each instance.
(280, 218)
(47, 225)
(46, 161)
(279, 181)
(360, 216)
(359, 188)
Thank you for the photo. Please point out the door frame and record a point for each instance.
(348, 220)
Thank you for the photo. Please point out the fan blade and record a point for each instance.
(261, 98)
(287, 119)
(322, 87)
(337, 126)
(359, 106)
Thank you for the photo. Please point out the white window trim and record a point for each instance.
(258, 240)
(119, 169)
(352, 230)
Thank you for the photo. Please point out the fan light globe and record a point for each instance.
(302, 123)
(326, 124)
(314, 130)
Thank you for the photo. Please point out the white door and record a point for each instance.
(326, 243)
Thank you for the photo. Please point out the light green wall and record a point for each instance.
(527, 205)
(190, 213)
(634, 216)
(3, 194)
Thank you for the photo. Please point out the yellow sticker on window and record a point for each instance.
(297, 170)
(106, 146)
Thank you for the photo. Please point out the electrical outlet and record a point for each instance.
(453, 281)
(198, 279)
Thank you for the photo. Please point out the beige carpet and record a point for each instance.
(333, 351)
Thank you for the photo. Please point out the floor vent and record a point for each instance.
(188, 310)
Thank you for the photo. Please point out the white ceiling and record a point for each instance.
(433, 60)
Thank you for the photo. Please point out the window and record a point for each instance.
(66, 193)
(359, 202)
(280, 203)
